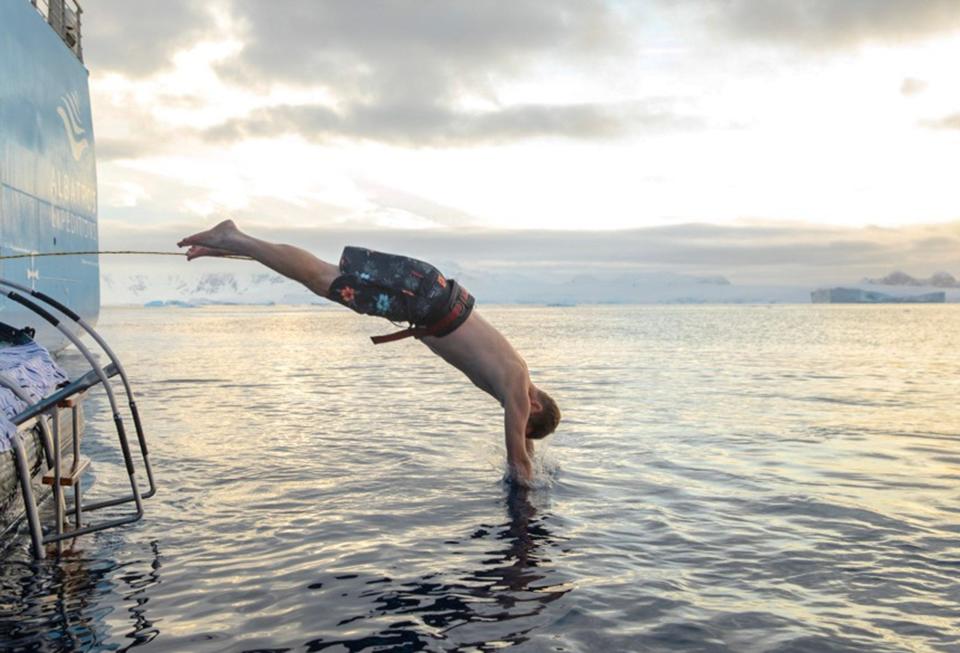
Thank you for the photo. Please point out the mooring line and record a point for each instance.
(113, 251)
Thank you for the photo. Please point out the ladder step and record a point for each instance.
(69, 475)
(70, 402)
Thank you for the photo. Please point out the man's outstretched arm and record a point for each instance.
(515, 416)
(292, 262)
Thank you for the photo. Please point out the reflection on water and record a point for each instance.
(56, 605)
(511, 585)
(725, 479)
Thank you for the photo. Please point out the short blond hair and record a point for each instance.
(544, 422)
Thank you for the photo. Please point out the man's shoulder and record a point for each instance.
(516, 380)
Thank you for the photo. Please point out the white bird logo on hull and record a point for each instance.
(69, 112)
(33, 274)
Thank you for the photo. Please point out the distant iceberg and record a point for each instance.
(858, 296)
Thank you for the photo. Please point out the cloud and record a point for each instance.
(401, 72)
(795, 254)
(207, 130)
(911, 86)
(951, 121)
(435, 125)
(427, 50)
(422, 207)
(137, 39)
(412, 74)
(110, 149)
(832, 24)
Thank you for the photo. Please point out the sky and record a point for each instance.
(758, 139)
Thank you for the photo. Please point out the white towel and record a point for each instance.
(32, 368)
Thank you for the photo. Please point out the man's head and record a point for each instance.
(544, 415)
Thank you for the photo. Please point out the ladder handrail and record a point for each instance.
(89, 330)
(117, 419)
(96, 375)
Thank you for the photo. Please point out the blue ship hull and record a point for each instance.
(48, 177)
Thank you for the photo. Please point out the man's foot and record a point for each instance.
(196, 251)
(221, 240)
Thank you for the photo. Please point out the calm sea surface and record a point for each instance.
(745, 478)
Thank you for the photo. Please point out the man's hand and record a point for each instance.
(521, 472)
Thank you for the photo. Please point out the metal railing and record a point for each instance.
(64, 17)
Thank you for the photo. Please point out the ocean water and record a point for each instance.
(726, 478)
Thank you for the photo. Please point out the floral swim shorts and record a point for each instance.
(398, 288)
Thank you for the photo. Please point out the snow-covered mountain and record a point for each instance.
(204, 288)
(500, 287)
(898, 278)
(138, 282)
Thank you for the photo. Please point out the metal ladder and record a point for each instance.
(49, 408)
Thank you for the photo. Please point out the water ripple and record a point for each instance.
(726, 479)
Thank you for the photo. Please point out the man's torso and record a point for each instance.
(482, 353)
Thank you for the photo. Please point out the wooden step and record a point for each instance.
(69, 473)
(70, 402)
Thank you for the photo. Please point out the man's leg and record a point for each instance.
(292, 262)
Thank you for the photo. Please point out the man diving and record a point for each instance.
(439, 309)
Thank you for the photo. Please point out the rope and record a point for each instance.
(115, 251)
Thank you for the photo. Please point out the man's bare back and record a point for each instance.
(487, 358)
(474, 347)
